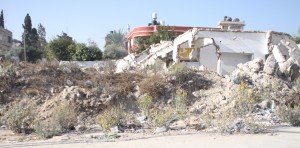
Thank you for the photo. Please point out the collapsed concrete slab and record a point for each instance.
(222, 51)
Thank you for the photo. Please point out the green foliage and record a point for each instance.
(20, 117)
(117, 38)
(297, 38)
(32, 54)
(162, 118)
(34, 50)
(145, 103)
(62, 120)
(163, 33)
(87, 53)
(115, 45)
(110, 117)
(245, 100)
(61, 48)
(114, 52)
(2, 19)
(41, 37)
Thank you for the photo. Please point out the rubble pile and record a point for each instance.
(209, 96)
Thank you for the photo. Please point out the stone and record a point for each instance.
(265, 104)
(140, 130)
(141, 119)
(255, 65)
(114, 129)
(69, 83)
(66, 70)
(195, 123)
(270, 65)
(88, 83)
(160, 129)
(180, 124)
(80, 128)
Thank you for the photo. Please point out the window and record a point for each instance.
(0, 37)
(9, 39)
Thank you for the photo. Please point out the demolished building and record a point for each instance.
(220, 51)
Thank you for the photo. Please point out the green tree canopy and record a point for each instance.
(42, 36)
(116, 38)
(163, 33)
(297, 38)
(61, 48)
(1, 19)
(31, 38)
(114, 52)
(87, 53)
(115, 45)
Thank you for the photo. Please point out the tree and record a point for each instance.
(297, 38)
(87, 53)
(116, 38)
(163, 33)
(115, 45)
(32, 54)
(27, 26)
(31, 38)
(114, 52)
(41, 36)
(2, 19)
(62, 47)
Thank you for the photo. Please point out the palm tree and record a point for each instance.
(116, 38)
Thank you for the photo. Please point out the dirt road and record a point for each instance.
(285, 137)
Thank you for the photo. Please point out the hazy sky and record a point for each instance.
(93, 19)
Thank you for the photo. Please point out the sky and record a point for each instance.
(93, 19)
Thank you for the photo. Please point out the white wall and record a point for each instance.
(209, 57)
(239, 42)
(229, 61)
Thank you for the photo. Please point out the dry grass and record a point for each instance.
(153, 85)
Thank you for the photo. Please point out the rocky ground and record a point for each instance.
(48, 100)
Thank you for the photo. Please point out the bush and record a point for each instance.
(289, 114)
(181, 103)
(114, 52)
(145, 103)
(245, 100)
(20, 116)
(46, 129)
(153, 85)
(110, 117)
(62, 120)
(162, 118)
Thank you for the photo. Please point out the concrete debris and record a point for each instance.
(160, 129)
(177, 125)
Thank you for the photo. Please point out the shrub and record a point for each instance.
(153, 85)
(289, 114)
(46, 129)
(64, 116)
(20, 117)
(162, 118)
(145, 103)
(245, 100)
(62, 120)
(181, 103)
(110, 117)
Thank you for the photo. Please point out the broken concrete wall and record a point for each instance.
(126, 63)
(209, 57)
(285, 53)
